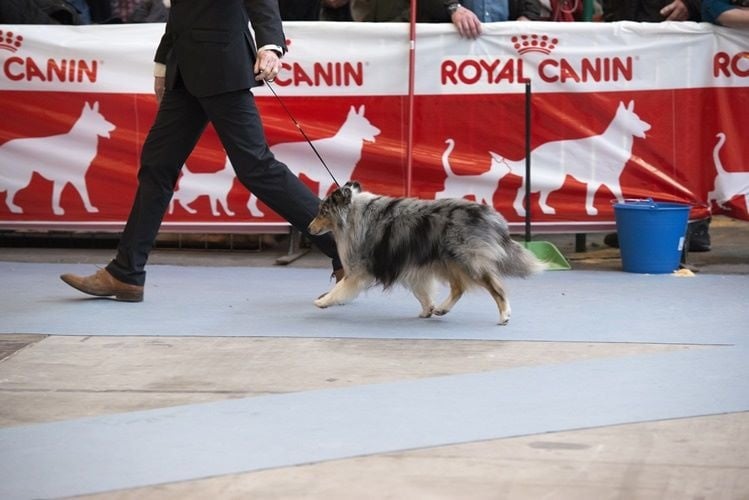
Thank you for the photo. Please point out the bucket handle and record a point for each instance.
(635, 200)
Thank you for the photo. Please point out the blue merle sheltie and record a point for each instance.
(418, 243)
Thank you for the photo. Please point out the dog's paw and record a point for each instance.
(504, 317)
(321, 302)
(440, 312)
(427, 313)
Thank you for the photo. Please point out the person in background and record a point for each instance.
(468, 15)
(383, 11)
(561, 10)
(299, 10)
(380, 11)
(139, 11)
(651, 11)
(335, 10)
(729, 13)
(70, 12)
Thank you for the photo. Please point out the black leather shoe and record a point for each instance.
(699, 237)
(611, 240)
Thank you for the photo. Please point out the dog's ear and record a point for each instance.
(353, 186)
(342, 196)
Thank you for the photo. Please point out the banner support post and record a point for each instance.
(411, 78)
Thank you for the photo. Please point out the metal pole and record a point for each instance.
(527, 161)
(411, 78)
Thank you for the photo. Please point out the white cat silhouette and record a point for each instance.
(727, 184)
(480, 186)
(63, 159)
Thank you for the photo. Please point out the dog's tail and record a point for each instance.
(518, 261)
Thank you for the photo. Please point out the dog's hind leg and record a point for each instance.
(10, 194)
(57, 188)
(187, 207)
(252, 207)
(344, 291)
(492, 284)
(225, 205)
(80, 186)
(519, 198)
(457, 288)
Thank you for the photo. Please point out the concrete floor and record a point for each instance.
(50, 378)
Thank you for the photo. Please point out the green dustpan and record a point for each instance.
(548, 254)
(543, 250)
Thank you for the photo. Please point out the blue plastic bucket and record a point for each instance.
(651, 235)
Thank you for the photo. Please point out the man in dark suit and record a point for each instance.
(206, 63)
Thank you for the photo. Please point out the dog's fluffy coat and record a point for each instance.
(384, 240)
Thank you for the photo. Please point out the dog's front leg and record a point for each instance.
(423, 289)
(343, 291)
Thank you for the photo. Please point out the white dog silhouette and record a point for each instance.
(597, 161)
(341, 153)
(214, 185)
(63, 159)
(727, 184)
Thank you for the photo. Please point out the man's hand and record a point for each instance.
(159, 84)
(466, 22)
(675, 11)
(267, 65)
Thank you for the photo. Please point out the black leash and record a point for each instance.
(302, 131)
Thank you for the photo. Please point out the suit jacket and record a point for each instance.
(207, 43)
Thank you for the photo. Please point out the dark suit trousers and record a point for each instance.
(179, 124)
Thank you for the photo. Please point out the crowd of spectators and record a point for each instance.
(469, 12)
(466, 15)
(79, 12)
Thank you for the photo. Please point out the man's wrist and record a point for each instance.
(275, 48)
(452, 6)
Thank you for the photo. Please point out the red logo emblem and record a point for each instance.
(534, 43)
(10, 41)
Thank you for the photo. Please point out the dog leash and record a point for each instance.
(302, 131)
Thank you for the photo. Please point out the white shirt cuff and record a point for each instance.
(275, 48)
(159, 69)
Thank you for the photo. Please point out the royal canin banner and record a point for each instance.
(617, 111)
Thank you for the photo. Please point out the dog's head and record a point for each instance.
(360, 126)
(334, 209)
(627, 119)
(95, 121)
